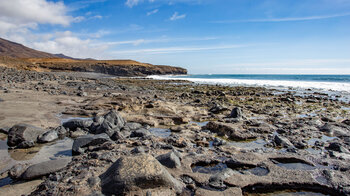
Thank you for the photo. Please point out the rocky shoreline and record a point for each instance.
(153, 137)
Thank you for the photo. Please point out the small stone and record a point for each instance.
(49, 136)
(169, 160)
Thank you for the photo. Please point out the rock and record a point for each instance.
(236, 113)
(82, 94)
(229, 130)
(347, 122)
(334, 130)
(217, 109)
(132, 126)
(217, 180)
(120, 135)
(133, 173)
(177, 129)
(138, 150)
(61, 131)
(93, 181)
(170, 160)
(88, 140)
(44, 168)
(74, 124)
(17, 170)
(112, 122)
(336, 146)
(218, 142)
(23, 133)
(78, 133)
(49, 136)
(140, 133)
(5, 130)
(282, 141)
(26, 144)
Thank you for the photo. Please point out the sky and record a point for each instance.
(203, 36)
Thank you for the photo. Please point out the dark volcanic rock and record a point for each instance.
(88, 140)
(49, 136)
(132, 126)
(170, 160)
(23, 133)
(73, 124)
(109, 123)
(336, 146)
(5, 130)
(216, 109)
(140, 133)
(133, 173)
(282, 141)
(236, 113)
(44, 168)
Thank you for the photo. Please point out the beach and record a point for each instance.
(195, 137)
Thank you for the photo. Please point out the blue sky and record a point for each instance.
(204, 36)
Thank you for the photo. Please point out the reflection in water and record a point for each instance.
(24, 154)
(40, 153)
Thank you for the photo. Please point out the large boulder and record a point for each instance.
(88, 140)
(23, 134)
(109, 123)
(44, 168)
(74, 124)
(134, 173)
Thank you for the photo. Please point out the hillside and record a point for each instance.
(15, 50)
(18, 56)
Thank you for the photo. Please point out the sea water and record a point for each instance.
(319, 83)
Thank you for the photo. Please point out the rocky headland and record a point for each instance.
(87, 134)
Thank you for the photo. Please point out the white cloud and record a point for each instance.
(160, 40)
(289, 19)
(69, 44)
(176, 16)
(177, 49)
(152, 12)
(37, 11)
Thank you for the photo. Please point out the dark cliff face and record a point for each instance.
(114, 69)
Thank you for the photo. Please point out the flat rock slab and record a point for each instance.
(136, 173)
(88, 140)
(42, 169)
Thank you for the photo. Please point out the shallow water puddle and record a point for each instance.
(286, 193)
(5, 181)
(216, 167)
(66, 118)
(159, 132)
(258, 171)
(324, 138)
(40, 153)
(210, 168)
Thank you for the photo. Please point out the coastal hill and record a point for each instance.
(21, 57)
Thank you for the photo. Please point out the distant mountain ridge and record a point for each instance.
(16, 50)
(21, 57)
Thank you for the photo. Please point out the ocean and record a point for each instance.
(340, 83)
